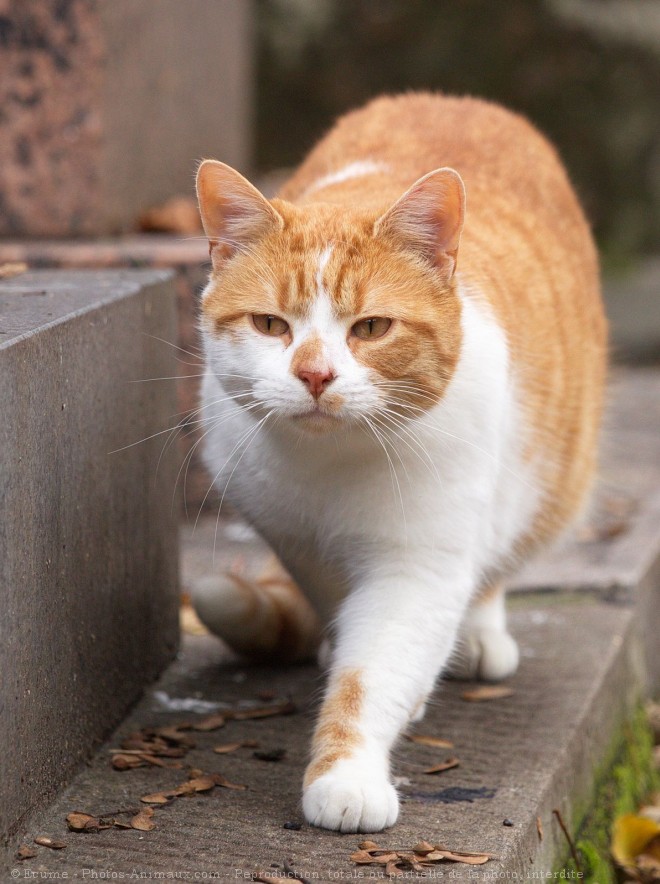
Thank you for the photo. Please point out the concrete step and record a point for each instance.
(88, 557)
(589, 658)
(188, 258)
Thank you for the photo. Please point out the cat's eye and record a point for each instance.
(369, 329)
(271, 325)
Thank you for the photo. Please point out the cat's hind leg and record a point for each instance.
(485, 648)
(267, 619)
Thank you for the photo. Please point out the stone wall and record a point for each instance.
(105, 107)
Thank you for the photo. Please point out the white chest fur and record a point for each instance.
(332, 506)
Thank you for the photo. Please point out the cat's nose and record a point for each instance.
(316, 381)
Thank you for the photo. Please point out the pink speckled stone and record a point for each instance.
(106, 105)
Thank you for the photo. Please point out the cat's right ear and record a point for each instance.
(234, 214)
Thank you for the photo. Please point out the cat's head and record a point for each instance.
(327, 315)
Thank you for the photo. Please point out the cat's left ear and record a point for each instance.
(234, 214)
(428, 219)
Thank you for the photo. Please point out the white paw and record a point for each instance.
(350, 798)
(489, 654)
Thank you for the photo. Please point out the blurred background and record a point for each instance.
(105, 108)
(587, 72)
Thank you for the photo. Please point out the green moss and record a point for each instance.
(623, 781)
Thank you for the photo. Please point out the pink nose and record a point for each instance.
(316, 381)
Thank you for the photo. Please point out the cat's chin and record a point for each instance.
(317, 422)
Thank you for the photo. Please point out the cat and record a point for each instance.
(405, 360)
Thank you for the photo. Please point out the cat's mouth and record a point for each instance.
(317, 419)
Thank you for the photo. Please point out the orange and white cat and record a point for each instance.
(405, 363)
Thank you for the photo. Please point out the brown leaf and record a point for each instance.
(159, 797)
(77, 821)
(424, 740)
(85, 822)
(471, 859)
(201, 784)
(423, 847)
(155, 748)
(539, 828)
(12, 268)
(287, 708)
(123, 761)
(478, 853)
(179, 214)
(135, 743)
(173, 734)
(143, 821)
(219, 780)
(420, 858)
(25, 852)
(45, 841)
(448, 764)
(393, 870)
(211, 722)
(380, 857)
(487, 692)
(189, 622)
(226, 748)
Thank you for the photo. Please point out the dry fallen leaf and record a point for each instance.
(425, 740)
(472, 859)
(420, 858)
(143, 821)
(632, 836)
(179, 214)
(25, 852)
(159, 797)
(85, 822)
(201, 784)
(173, 734)
(12, 268)
(124, 761)
(226, 748)
(448, 764)
(211, 722)
(45, 841)
(219, 780)
(189, 622)
(287, 708)
(487, 692)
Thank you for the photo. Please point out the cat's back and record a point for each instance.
(393, 140)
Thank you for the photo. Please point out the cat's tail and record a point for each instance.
(266, 619)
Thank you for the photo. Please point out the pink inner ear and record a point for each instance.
(429, 218)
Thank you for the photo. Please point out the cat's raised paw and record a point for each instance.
(490, 654)
(351, 801)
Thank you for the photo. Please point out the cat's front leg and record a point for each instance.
(394, 635)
